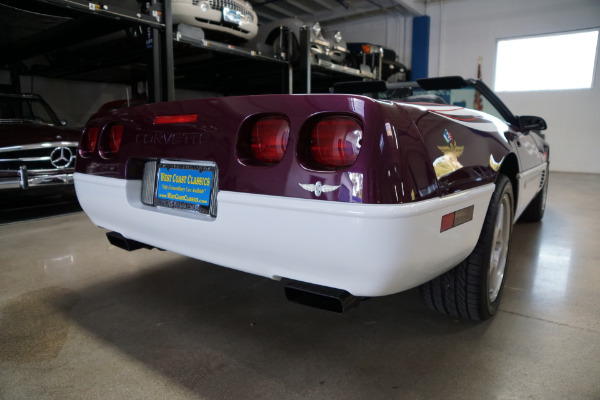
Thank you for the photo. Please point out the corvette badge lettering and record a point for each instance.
(163, 138)
(318, 188)
(169, 138)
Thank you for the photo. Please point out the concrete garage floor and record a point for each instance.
(80, 319)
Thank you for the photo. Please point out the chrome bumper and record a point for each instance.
(24, 179)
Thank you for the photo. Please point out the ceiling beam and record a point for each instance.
(280, 10)
(358, 10)
(265, 16)
(325, 4)
(414, 7)
(301, 6)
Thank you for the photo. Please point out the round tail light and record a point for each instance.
(114, 138)
(335, 142)
(110, 141)
(89, 141)
(269, 139)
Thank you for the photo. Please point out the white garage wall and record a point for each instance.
(72, 101)
(77, 101)
(464, 30)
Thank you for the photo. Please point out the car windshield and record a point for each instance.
(467, 97)
(26, 109)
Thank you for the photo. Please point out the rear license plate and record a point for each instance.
(188, 186)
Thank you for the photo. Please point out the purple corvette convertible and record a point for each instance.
(343, 196)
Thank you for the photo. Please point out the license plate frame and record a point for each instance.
(232, 16)
(186, 186)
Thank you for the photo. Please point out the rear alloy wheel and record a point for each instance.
(473, 288)
(500, 246)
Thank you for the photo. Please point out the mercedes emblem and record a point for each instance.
(61, 157)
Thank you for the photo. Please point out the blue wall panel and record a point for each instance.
(420, 47)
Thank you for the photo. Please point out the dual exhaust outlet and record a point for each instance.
(323, 297)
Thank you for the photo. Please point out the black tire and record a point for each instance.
(535, 210)
(473, 288)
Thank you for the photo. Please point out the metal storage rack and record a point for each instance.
(199, 63)
(318, 70)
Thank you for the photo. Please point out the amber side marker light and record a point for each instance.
(456, 218)
(175, 119)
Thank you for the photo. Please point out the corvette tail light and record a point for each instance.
(89, 140)
(335, 142)
(110, 141)
(269, 139)
(114, 138)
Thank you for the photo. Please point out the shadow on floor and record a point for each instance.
(31, 204)
(225, 334)
(203, 326)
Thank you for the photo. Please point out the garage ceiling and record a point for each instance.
(332, 11)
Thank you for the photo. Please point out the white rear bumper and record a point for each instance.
(366, 249)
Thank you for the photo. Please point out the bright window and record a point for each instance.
(550, 62)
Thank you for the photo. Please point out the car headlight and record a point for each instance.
(316, 28)
(337, 37)
(204, 6)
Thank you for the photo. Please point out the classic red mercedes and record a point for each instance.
(343, 196)
(36, 151)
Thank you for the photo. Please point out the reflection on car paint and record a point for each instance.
(357, 186)
(448, 163)
(495, 165)
(391, 132)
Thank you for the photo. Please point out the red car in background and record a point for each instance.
(36, 149)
